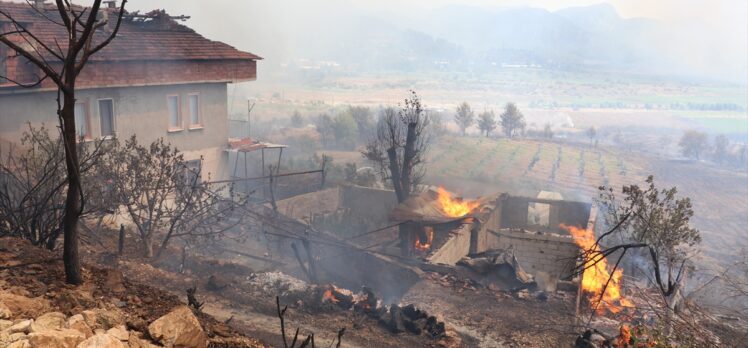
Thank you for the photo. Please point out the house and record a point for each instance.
(157, 78)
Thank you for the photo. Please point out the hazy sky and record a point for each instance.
(713, 32)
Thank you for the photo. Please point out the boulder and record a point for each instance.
(22, 326)
(52, 320)
(22, 306)
(119, 332)
(5, 312)
(101, 341)
(60, 338)
(179, 328)
(20, 344)
(78, 323)
(102, 318)
(136, 340)
(4, 324)
(17, 336)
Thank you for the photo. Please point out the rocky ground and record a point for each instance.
(37, 308)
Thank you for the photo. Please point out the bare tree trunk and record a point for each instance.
(408, 155)
(147, 247)
(73, 204)
(395, 174)
(121, 244)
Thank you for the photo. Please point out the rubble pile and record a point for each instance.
(395, 318)
(38, 309)
(100, 328)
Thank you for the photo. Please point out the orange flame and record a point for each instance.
(327, 296)
(454, 207)
(425, 245)
(623, 338)
(596, 274)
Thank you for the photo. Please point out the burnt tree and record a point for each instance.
(62, 62)
(400, 146)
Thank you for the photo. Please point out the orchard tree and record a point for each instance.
(62, 62)
(693, 144)
(512, 120)
(592, 134)
(548, 131)
(487, 122)
(721, 145)
(364, 123)
(399, 148)
(296, 120)
(464, 117)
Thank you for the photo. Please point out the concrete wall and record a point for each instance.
(370, 203)
(138, 110)
(551, 253)
(456, 247)
(514, 212)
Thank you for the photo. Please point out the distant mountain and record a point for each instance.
(463, 37)
(580, 36)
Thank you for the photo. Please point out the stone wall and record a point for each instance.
(547, 252)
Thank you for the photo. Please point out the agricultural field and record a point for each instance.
(525, 167)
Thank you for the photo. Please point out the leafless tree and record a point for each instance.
(32, 186)
(62, 62)
(464, 117)
(164, 196)
(400, 145)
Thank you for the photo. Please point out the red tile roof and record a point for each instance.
(157, 38)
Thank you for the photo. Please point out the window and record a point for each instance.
(194, 103)
(81, 121)
(175, 119)
(106, 116)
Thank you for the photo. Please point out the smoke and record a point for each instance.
(688, 38)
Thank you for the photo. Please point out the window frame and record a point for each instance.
(87, 119)
(180, 121)
(114, 119)
(199, 124)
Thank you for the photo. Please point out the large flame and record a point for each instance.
(454, 207)
(596, 274)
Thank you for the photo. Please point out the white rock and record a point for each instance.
(60, 338)
(5, 312)
(119, 332)
(101, 341)
(22, 326)
(179, 328)
(52, 320)
(20, 344)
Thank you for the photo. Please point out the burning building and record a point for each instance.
(442, 229)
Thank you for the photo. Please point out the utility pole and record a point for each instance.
(250, 106)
